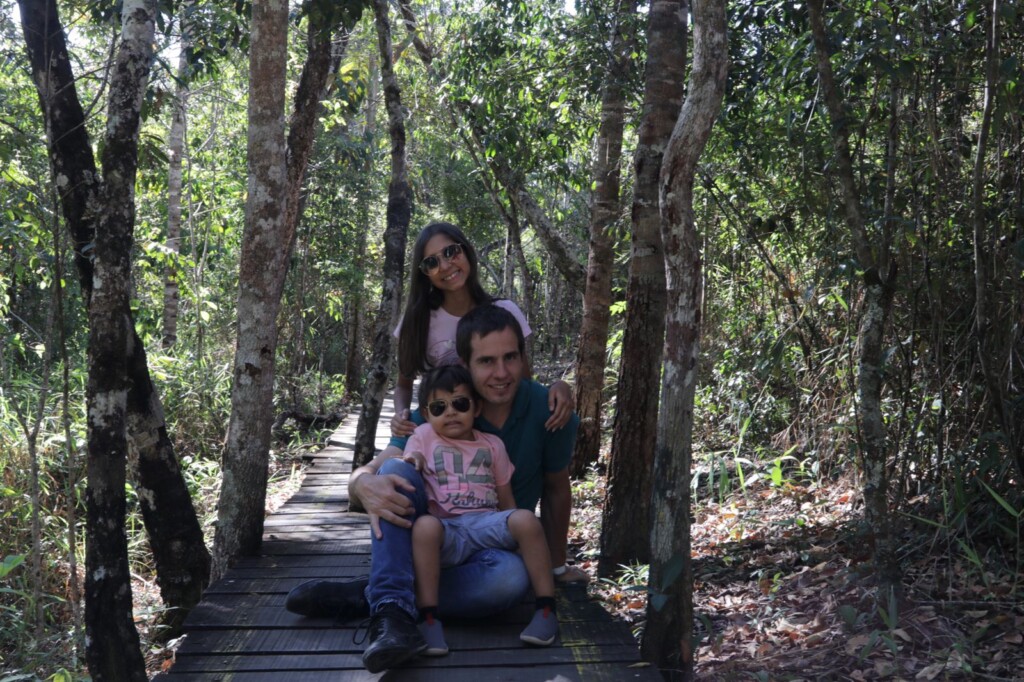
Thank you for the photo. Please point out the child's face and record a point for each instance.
(442, 412)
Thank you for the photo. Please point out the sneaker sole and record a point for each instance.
(435, 651)
(537, 641)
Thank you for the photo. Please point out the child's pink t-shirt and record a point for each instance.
(441, 335)
(461, 476)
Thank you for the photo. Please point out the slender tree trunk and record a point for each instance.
(636, 415)
(399, 213)
(987, 342)
(176, 151)
(357, 299)
(604, 212)
(176, 538)
(668, 638)
(879, 280)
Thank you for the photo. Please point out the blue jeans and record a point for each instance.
(492, 580)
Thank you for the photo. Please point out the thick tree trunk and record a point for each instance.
(277, 169)
(636, 414)
(879, 280)
(264, 258)
(604, 212)
(668, 638)
(176, 538)
(112, 643)
(399, 213)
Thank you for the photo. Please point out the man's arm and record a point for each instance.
(555, 510)
(379, 496)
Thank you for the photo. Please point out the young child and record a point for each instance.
(466, 474)
(444, 286)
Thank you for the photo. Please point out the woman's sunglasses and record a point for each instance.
(431, 263)
(438, 407)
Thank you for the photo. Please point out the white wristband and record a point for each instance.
(560, 570)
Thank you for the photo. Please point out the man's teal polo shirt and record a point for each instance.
(533, 450)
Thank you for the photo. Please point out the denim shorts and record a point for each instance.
(467, 534)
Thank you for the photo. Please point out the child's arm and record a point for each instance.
(505, 498)
(415, 458)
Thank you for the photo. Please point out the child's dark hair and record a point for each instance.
(483, 320)
(423, 298)
(444, 378)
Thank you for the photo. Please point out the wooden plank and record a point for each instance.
(285, 547)
(240, 610)
(517, 657)
(320, 520)
(589, 672)
(276, 584)
(460, 636)
(271, 562)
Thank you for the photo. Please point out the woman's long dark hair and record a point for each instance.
(423, 298)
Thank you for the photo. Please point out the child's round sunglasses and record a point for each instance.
(438, 407)
(431, 263)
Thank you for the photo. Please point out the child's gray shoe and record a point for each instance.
(434, 634)
(542, 630)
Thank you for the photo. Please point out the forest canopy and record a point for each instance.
(857, 224)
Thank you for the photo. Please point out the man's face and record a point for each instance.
(496, 366)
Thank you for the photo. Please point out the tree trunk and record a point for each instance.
(276, 172)
(357, 298)
(668, 638)
(176, 538)
(399, 213)
(176, 152)
(604, 212)
(988, 347)
(636, 415)
(263, 260)
(112, 643)
(574, 273)
(879, 280)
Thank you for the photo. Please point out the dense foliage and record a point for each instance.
(518, 82)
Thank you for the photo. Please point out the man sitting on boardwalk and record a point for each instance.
(491, 344)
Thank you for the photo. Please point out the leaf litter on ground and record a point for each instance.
(784, 590)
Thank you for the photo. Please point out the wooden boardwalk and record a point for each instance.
(241, 630)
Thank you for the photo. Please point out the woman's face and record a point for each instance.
(452, 268)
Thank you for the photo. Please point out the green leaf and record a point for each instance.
(1003, 503)
(10, 563)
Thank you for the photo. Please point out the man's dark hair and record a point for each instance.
(483, 320)
(444, 378)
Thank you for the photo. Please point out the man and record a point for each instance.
(491, 343)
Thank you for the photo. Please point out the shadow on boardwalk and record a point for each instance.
(241, 630)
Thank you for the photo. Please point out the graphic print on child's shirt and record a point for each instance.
(464, 485)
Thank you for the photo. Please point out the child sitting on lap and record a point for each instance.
(466, 474)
